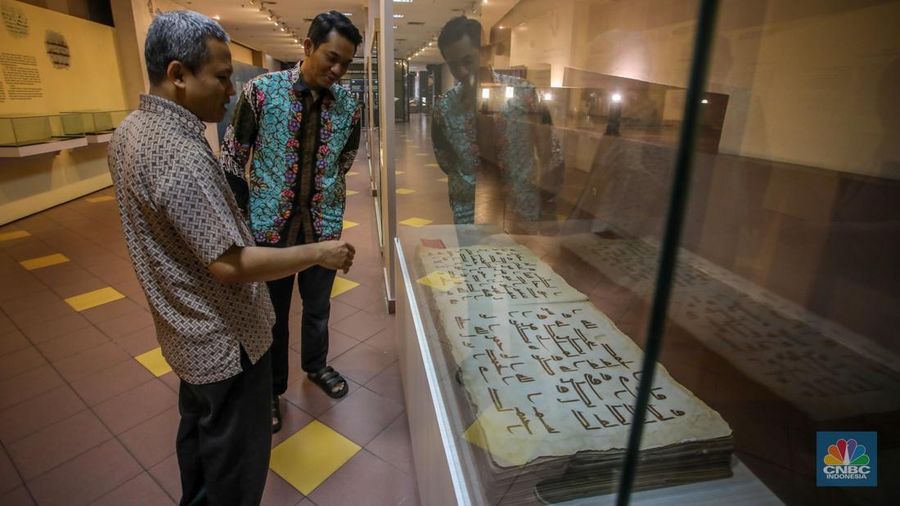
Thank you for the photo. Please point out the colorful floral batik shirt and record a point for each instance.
(520, 139)
(302, 146)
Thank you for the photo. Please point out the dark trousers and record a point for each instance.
(225, 437)
(314, 285)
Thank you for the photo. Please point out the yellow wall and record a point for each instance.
(241, 53)
(92, 80)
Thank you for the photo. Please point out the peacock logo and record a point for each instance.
(847, 459)
(846, 452)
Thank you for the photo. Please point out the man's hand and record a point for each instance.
(336, 255)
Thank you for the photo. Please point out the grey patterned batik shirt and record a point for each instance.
(178, 216)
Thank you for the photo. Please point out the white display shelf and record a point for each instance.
(44, 147)
(99, 138)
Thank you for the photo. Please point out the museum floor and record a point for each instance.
(88, 408)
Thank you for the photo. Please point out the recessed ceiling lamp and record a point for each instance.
(348, 14)
(399, 16)
(403, 1)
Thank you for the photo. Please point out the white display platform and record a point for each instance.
(45, 147)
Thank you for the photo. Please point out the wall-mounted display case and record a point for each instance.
(24, 130)
(98, 122)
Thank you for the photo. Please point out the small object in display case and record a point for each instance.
(98, 122)
(26, 130)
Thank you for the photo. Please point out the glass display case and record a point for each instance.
(98, 122)
(25, 130)
(647, 255)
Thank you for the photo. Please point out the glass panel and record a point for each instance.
(550, 133)
(785, 304)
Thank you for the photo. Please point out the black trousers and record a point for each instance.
(314, 285)
(225, 437)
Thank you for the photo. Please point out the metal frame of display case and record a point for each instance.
(381, 169)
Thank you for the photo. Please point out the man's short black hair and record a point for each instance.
(324, 23)
(456, 29)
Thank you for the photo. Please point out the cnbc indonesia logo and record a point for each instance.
(847, 461)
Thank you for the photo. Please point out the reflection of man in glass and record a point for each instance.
(520, 140)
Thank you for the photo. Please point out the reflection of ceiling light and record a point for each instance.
(548, 95)
(348, 14)
(704, 101)
(501, 27)
(485, 92)
(282, 28)
(509, 92)
(616, 98)
(399, 16)
(217, 17)
(403, 1)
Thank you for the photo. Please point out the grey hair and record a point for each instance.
(179, 35)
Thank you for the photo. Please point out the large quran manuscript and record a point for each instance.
(548, 377)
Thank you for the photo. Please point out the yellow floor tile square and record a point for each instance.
(352, 173)
(41, 262)
(310, 456)
(415, 222)
(15, 234)
(102, 198)
(405, 191)
(351, 193)
(349, 224)
(94, 299)
(342, 285)
(154, 362)
(440, 280)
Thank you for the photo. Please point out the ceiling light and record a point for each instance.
(403, 1)
(399, 16)
(616, 98)
(704, 101)
(282, 28)
(348, 14)
(501, 27)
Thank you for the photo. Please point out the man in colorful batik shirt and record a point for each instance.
(300, 132)
(523, 144)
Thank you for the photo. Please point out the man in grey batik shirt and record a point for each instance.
(198, 264)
